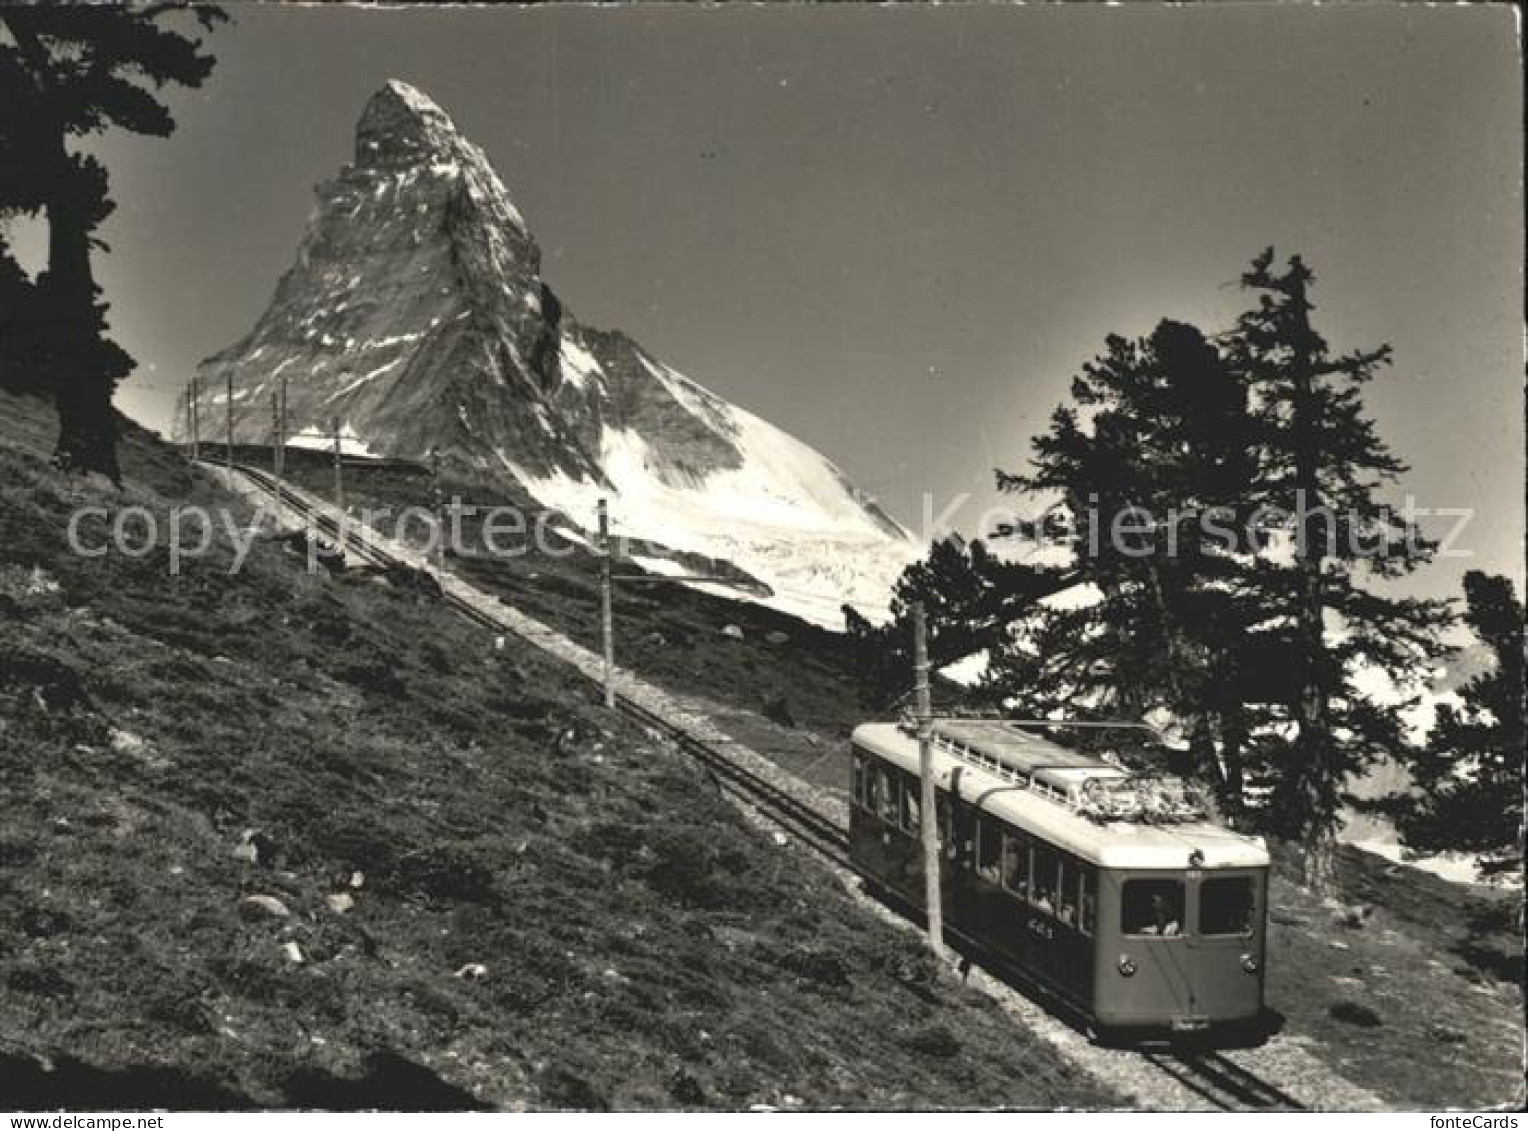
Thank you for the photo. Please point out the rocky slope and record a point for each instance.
(415, 319)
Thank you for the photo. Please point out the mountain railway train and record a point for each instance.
(1113, 892)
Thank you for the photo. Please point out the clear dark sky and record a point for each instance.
(897, 232)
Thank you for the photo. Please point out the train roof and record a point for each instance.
(1113, 844)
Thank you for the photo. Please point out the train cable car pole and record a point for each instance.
(440, 511)
(191, 422)
(928, 809)
(228, 416)
(339, 474)
(276, 436)
(281, 426)
(607, 622)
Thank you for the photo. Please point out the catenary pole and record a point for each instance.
(228, 417)
(607, 621)
(339, 475)
(928, 815)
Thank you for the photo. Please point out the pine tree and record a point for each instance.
(1468, 776)
(969, 595)
(1150, 466)
(1322, 466)
(66, 72)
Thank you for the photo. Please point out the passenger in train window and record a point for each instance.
(1015, 865)
(1067, 914)
(873, 789)
(891, 796)
(1088, 905)
(989, 850)
(1166, 922)
(1045, 879)
(910, 803)
(1152, 907)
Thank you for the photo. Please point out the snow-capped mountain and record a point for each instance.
(416, 319)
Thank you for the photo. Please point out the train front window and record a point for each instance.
(861, 768)
(1152, 907)
(1225, 906)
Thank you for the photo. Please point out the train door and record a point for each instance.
(1152, 980)
(1227, 914)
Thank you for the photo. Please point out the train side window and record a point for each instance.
(946, 825)
(1152, 907)
(873, 788)
(989, 849)
(860, 767)
(1015, 864)
(891, 791)
(1225, 905)
(1087, 902)
(911, 801)
(1045, 885)
(1066, 893)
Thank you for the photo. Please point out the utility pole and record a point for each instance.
(281, 427)
(191, 419)
(228, 416)
(607, 623)
(284, 432)
(440, 511)
(339, 475)
(276, 434)
(928, 810)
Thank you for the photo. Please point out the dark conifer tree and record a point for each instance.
(68, 71)
(1151, 467)
(1322, 466)
(1468, 776)
(969, 595)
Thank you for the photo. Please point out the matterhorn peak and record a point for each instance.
(414, 320)
(402, 124)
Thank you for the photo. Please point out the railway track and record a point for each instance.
(1212, 1076)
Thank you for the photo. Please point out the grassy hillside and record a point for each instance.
(1407, 983)
(283, 840)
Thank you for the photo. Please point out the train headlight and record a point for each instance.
(1126, 965)
(1250, 963)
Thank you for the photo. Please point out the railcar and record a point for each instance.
(1114, 892)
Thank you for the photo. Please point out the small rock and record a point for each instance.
(356, 879)
(291, 952)
(473, 971)
(126, 742)
(1337, 944)
(1353, 918)
(247, 853)
(732, 632)
(341, 902)
(780, 838)
(263, 907)
(1447, 1035)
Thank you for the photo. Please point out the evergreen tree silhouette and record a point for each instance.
(67, 72)
(1468, 776)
